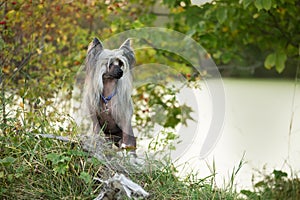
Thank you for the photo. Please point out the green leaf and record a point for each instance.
(280, 61)
(270, 61)
(57, 158)
(248, 193)
(267, 4)
(221, 15)
(279, 174)
(78, 153)
(61, 168)
(2, 174)
(86, 177)
(53, 157)
(171, 136)
(7, 161)
(258, 4)
(246, 3)
(263, 4)
(260, 184)
(226, 57)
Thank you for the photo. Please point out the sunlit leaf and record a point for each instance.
(258, 4)
(267, 4)
(270, 61)
(263, 4)
(1, 174)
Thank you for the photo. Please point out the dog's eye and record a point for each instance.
(120, 63)
(116, 63)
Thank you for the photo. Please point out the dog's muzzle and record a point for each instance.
(118, 73)
(115, 71)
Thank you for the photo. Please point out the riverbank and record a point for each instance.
(35, 168)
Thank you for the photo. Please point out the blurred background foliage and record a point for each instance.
(256, 38)
(43, 44)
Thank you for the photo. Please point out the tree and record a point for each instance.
(243, 32)
(43, 44)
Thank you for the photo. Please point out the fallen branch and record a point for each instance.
(97, 147)
(119, 185)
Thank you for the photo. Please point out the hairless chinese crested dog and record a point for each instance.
(108, 87)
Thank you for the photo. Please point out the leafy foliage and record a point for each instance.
(275, 186)
(160, 106)
(42, 54)
(243, 32)
(46, 50)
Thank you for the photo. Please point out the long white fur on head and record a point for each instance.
(125, 63)
(116, 62)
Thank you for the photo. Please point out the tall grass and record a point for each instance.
(33, 168)
(41, 168)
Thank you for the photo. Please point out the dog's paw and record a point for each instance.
(128, 147)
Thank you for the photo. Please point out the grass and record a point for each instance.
(44, 169)
(41, 168)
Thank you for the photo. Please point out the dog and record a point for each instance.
(108, 87)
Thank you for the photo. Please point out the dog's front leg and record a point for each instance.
(128, 139)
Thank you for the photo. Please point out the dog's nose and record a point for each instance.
(120, 72)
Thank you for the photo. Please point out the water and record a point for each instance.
(257, 127)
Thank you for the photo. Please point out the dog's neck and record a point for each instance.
(109, 86)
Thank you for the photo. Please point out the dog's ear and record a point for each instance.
(94, 47)
(128, 52)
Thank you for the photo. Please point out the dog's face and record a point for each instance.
(109, 64)
(115, 69)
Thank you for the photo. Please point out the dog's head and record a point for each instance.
(110, 64)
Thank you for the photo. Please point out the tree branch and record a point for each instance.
(160, 14)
